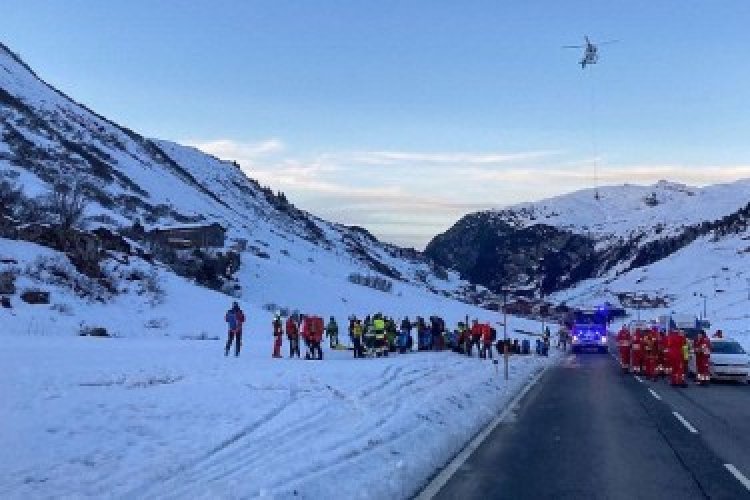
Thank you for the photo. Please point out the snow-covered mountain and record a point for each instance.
(47, 139)
(556, 243)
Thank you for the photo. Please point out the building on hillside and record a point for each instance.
(194, 236)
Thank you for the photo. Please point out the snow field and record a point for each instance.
(161, 418)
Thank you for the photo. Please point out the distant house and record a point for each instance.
(193, 236)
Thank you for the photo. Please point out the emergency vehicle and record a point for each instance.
(589, 330)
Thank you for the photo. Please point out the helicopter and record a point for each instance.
(591, 52)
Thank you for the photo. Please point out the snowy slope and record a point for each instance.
(628, 210)
(556, 243)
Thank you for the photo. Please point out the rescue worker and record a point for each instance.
(661, 365)
(545, 341)
(406, 327)
(562, 340)
(390, 334)
(404, 334)
(461, 335)
(476, 336)
(357, 338)
(313, 334)
(665, 354)
(636, 356)
(436, 328)
(623, 346)
(650, 356)
(677, 346)
(292, 334)
(378, 324)
(486, 342)
(423, 340)
(685, 355)
(369, 335)
(702, 349)
(332, 333)
(278, 331)
(234, 318)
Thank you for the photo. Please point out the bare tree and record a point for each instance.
(68, 204)
(10, 198)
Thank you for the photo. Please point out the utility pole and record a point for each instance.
(705, 300)
(505, 331)
(637, 300)
(541, 306)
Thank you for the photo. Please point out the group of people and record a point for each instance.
(378, 335)
(654, 354)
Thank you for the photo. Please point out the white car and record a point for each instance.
(728, 361)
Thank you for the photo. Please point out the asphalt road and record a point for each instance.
(720, 413)
(588, 431)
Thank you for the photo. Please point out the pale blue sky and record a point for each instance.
(403, 115)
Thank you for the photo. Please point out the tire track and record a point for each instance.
(226, 444)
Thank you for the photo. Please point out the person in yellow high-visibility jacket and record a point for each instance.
(378, 325)
(685, 355)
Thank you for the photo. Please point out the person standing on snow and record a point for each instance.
(378, 325)
(278, 331)
(292, 334)
(476, 335)
(332, 332)
(234, 318)
(406, 333)
(357, 338)
(486, 350)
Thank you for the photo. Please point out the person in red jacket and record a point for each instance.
(278, 331)
(623, 345)
(650, 353)
(677, 345)
(661, 363)
(475, 336)
(702, 348)
(312, 332)
(486, 341)
(292, 334)
(636, 360)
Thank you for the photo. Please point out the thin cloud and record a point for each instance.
(382, 158)
(634, 174)
(426, 192)
(237, 150)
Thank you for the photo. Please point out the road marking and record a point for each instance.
(738, 475)
(437, 483)
(687, 424)
(654, 394)
(639, 379)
